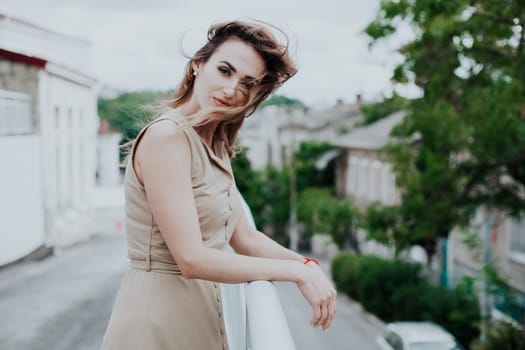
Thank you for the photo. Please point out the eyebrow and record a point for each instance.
(249, 77)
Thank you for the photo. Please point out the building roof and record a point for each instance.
(370, 137)
(27, 43)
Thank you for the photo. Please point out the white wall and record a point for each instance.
(370, 181)
(21, 211)
(68, 123)
(108, 159)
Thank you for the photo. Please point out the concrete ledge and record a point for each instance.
(38, 254)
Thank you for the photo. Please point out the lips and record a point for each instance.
(221, 103)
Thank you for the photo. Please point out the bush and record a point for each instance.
(344, 272)
(395, 290)
(502, 336)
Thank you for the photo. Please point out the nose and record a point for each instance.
(228, 92)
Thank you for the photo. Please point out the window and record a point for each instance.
(375, 181)
(516, 233)
(394, 340)
(352, 176)
(362, 178)
(15, 113)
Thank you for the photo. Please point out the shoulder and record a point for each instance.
(163, 139)
(164, 131)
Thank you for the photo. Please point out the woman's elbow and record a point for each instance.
(189, 266)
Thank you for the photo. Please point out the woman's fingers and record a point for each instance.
(324, 315)
(321, 295)
(317, 316)
(331, 313)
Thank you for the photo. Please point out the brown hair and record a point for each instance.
(279, 68)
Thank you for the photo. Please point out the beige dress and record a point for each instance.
(157, 308)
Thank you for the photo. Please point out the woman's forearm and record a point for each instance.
(221, 266)
(258, 244)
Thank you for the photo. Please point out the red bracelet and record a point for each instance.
(306, 260)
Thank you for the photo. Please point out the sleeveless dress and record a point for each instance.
(156, 308)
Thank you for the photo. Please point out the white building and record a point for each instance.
(363, 176)
(48, 125)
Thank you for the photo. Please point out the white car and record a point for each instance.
(417, 336)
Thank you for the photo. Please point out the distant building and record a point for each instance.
(273, 132)
(48, 130)
(362, 174)
(365, 177)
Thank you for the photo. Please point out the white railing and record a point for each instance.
(15, 113)
(253, 314)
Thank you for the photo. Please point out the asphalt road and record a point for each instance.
(64, 301)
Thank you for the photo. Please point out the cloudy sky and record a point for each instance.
(140, 44)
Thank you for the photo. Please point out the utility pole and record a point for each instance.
(294, 234)
(486, 256)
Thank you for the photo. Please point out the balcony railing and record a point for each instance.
(253, 314)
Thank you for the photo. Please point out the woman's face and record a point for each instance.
(228, 78)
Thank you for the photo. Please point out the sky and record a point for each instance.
(141, 44)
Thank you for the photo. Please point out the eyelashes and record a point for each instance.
(246, 84)
(224, 71)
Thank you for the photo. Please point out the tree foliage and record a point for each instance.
(267, 191)
(127, 113)
(284, 101)
(467, 58)
(308, 175)
(323, 213)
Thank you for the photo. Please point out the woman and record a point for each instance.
(182, 207)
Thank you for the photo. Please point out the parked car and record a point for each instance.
(417, 336)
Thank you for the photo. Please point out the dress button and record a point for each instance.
(226, 223)
(223, 347)
(222, 331)
(220, 314)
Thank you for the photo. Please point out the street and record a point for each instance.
(64, 301)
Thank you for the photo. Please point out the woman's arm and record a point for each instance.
(247, 240)
(163, 161)
(163, 165)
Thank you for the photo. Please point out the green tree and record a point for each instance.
(283, 101)
(467, 58)
(128, 112)
(275, 191)
(323, 213)
(249, 182)
(308, 175)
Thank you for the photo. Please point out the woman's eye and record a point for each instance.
(248, 85)
(224, 71)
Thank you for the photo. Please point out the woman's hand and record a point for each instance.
(320, 294)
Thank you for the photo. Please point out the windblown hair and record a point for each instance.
(279, 68)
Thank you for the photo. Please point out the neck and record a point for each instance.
(207, 132)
